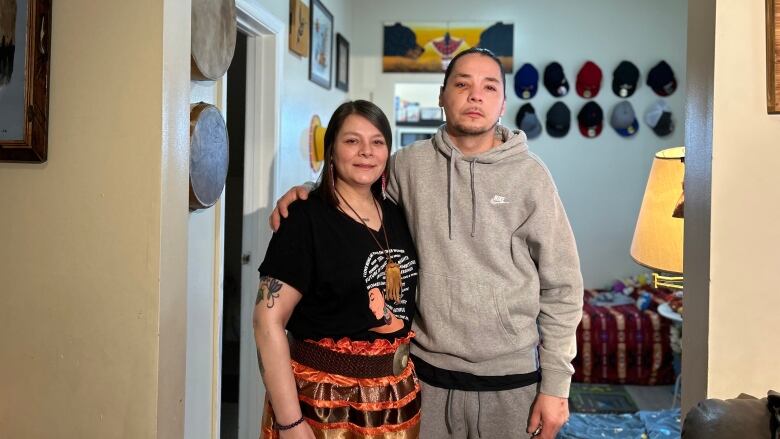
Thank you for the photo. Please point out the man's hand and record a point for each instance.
(280, 211)
(549, 413)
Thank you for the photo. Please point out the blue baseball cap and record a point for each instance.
(623, 119)
(526, 81)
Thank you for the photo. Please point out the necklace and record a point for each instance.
(392, 269)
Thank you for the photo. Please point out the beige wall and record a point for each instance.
(745, 240)
(93, 249)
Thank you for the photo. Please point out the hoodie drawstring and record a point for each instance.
(449, 195)
(473, 200)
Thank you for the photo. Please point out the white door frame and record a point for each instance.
(265, 52)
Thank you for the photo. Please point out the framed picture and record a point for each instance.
(299, 28)
(25, 40)
(321, 44)
(773, 56)
(428, 47)
(342, 63)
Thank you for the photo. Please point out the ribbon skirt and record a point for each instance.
(341, 407)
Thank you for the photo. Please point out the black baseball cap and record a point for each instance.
(590, 119)
(527, 121)
(555, 80)
(625, 79)
(558, 120)
(661, 79)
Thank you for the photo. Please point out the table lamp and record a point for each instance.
(658, 237)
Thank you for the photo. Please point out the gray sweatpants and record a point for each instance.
(457, 414)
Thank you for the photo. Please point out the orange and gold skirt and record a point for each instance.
(343, 407)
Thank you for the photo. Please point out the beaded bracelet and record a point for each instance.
(282, 427)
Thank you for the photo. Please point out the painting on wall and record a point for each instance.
(321, 45)
(25, 27)
(342, 63)
(429, 47)
(299, 28)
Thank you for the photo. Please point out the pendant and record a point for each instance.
(392, 281)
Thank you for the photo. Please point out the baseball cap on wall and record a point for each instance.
(590, 119)
(625, 79)
(527, 121)
(555, 80)
(661, 79)
(558, 120)
(589, 80)
(659, 118)
(526, 81)
(623, 119)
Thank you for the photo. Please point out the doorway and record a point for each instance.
(253, 106)
(234, 218)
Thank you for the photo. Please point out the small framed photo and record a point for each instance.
(342, 63)
(321, 47)
(299, 28)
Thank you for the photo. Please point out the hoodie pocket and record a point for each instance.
(466, 318)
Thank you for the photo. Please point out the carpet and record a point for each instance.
(661, 424)
(600, 398)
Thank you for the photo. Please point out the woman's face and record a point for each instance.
(360, 152)
(376, 301)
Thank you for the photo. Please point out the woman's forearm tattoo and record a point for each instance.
(268, 290)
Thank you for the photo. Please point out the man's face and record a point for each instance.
(473, 98)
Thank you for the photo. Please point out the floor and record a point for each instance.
(645, 397)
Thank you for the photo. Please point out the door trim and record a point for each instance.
(265, 48)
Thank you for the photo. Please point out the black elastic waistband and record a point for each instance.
(450, 379)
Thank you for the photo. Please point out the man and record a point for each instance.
(500, 289)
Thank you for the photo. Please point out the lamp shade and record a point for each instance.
(658, 237)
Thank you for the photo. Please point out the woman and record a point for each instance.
(341, 275)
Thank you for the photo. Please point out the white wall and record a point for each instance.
(601, 181)
(302, 98)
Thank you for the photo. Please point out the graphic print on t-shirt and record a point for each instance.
(374, 274)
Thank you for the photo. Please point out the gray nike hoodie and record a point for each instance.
(500, 289)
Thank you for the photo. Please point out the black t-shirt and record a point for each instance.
(340, 271)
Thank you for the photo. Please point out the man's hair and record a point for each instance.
(370, 112)
(479, 51)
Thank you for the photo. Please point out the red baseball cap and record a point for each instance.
(589, 80)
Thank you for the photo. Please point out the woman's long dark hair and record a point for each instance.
(371, 113)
